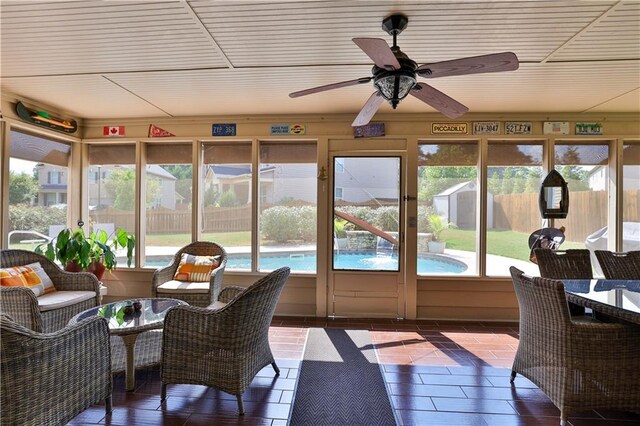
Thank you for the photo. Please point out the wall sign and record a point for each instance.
(555, 128)
(486, 127)
(287, 129)
(517, 127)
(370, 130)
(457, 128)
(588, 129)
(223, 129)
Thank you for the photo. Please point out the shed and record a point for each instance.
(457, 204)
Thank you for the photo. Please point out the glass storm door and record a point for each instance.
(366, 256)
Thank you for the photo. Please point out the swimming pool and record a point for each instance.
(306, 262)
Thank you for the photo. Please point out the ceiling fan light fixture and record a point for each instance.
(395, 87)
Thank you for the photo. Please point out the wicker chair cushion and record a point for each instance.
(175, 286)
(196, 268)
(31, 276)
(61, 299)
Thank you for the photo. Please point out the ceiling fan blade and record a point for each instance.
(505, 61)
(435, 98)
(368, 110)
(379, 51)
(330, 87)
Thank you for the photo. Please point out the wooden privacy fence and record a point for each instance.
(588, 212)
(167, 221)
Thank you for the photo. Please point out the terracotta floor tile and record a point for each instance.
(437, 373)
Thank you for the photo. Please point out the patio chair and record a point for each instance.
(196, 293)
(579, 363)
(619, 266)
(565, 265)
(225, 347)
(48, 379)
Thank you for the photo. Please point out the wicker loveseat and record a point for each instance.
(75, 292)
(48, 379)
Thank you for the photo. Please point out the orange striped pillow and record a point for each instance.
(31, 276)
(196, 268)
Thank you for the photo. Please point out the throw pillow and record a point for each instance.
(31, 276)
(196, 268)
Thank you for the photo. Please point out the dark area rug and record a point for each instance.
(340, 382)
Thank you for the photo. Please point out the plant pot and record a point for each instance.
(72, 267)
(436, 246)
(342, 243)
(97, 269)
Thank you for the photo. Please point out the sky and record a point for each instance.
(19, 166)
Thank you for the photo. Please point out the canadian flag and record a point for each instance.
(113, 131)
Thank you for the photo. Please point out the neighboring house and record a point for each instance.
(98, 195)
(457, 204)
(351, 176)
(52, 184)
(276, 182)
(599, 177)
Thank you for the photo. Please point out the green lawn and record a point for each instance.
(510, 244)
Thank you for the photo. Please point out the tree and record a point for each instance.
(23, 188)
(120, 184)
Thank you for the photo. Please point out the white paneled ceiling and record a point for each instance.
(117, 59)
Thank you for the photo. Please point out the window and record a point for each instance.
(168, 189)
(339, 165)
(226, 181)
(338, 193)
(447, 188)
(630, 196)
(585, 168)
(514, 175)
(112, 190)
(37, 189)
(287, 179)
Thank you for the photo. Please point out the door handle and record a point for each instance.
(409, 198)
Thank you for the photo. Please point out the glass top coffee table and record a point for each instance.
(128, 319)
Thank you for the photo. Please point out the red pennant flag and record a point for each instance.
(113, 131)
(157, 132)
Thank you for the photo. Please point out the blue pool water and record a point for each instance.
(368, 261)
(303, 262)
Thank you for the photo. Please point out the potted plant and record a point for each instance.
(94, 253)
(340, 233)
(437, 225)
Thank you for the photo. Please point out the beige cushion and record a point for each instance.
(216, 305)
(175, 286)
(60, 299)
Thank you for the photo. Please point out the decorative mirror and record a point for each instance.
(554, 197)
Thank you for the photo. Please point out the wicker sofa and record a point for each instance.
(48, 379)
(75, 292)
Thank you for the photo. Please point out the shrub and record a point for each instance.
(282, 224)
(38, 218)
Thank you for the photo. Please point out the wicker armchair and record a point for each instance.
(580, 364)
(226, 347)
(199, 296)
(565, 265)
(21, 304)
(619, 266)
(48, 379)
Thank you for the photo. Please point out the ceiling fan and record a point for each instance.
(394, 74)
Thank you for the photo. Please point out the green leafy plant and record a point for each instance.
(74, 247)
(437, 225)
(338, 226)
